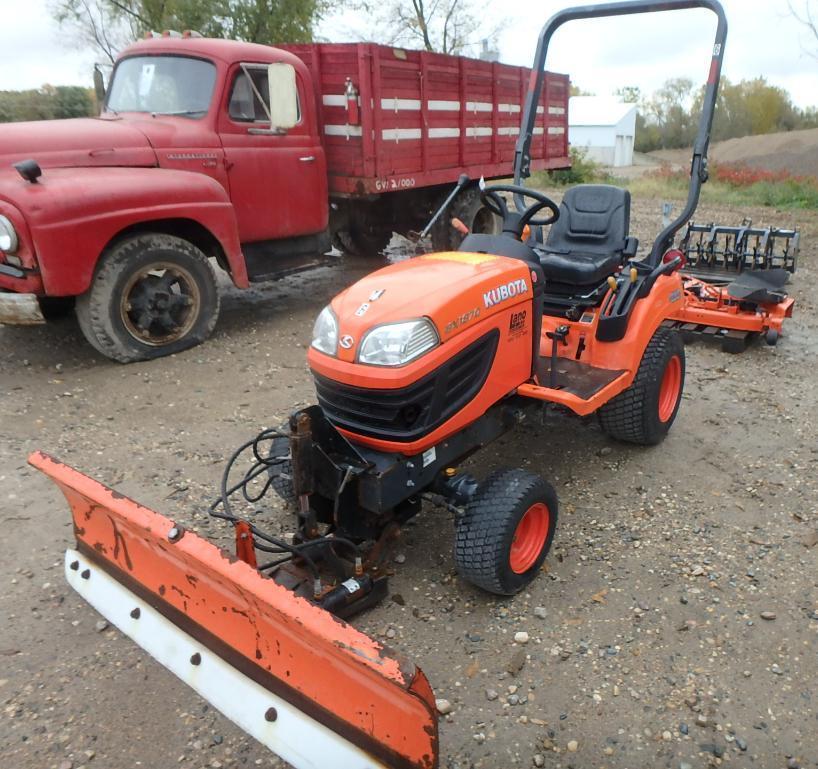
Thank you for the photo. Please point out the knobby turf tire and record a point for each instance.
(633, 415)
(98, 312)
(485, 532)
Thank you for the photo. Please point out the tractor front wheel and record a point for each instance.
(645, 411)
(506, 531)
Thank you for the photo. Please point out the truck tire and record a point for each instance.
(644, 412)
(151, 295)
(467, 207)
(362, 241)
(506, 531)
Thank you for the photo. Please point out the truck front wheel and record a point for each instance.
(152, 295)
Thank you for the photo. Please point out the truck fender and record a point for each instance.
(75, 214)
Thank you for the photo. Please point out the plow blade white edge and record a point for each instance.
(297, 738)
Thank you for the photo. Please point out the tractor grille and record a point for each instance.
(409, 413)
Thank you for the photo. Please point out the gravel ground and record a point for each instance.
(674, 624)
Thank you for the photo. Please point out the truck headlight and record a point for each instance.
(395, 344)
(8, 236)
(325, 332)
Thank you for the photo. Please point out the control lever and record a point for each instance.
(558, 336)
(461, 183)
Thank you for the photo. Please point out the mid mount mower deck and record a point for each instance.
(417, 366)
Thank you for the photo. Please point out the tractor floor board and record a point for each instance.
(576, 377)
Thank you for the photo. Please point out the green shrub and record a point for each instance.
(583, 170)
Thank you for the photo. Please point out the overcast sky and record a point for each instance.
(599, 55)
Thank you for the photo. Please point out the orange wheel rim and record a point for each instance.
(529, 538)
(670, 389)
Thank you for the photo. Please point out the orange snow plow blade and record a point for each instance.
(307, 685)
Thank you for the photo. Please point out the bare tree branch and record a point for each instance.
(808, 20)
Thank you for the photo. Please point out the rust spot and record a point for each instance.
(258, 654)
(100, 548)
(192, 578)
(162, 589)
(118, 538)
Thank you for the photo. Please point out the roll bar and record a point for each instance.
(698, 168)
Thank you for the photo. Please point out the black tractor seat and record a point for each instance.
(590, 241)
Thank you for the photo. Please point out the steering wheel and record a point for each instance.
(514, 222)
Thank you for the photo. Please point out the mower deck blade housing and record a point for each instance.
(305, 684)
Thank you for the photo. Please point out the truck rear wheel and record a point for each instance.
(506, 531)
(467, 207)
(369, 241)
(152, 295)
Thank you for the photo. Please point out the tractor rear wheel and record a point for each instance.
(506, 531)
(645, 411)
(152, 295)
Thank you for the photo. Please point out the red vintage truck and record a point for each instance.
(257, 158)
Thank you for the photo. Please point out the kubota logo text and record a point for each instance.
(508, 291)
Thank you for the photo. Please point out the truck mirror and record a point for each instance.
(99, 85)
(283, 96)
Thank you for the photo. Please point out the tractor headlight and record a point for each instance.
(325, 332)
(396, 344)
(8, 236)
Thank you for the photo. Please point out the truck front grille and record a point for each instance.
(408, 413)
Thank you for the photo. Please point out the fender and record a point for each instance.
(74, 213)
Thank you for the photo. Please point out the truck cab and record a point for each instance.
(204, 148)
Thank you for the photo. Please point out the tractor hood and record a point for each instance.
(76, 142)
(452, 289)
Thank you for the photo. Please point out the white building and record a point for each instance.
(605, 127)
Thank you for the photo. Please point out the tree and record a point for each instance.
(630, 94)
(445, 26)
(805, 12)
(46, 103)
(669, 111)
(109, 25)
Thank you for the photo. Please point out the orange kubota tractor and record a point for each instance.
(416, 367)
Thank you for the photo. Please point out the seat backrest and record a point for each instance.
(594, 219)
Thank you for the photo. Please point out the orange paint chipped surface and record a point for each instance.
(346, 679)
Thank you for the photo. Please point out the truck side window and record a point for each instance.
(245, 104)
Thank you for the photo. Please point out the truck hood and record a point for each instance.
(75, 142)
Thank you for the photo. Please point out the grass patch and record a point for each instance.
(733, 185)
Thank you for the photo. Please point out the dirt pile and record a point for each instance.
(793, 151)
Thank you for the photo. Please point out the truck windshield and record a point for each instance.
(165, 85)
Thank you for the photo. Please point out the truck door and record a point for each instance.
(278, 180)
